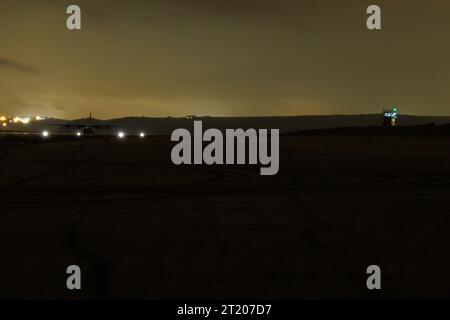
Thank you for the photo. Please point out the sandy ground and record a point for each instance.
(140, 227)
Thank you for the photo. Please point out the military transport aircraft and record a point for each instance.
(88, 128)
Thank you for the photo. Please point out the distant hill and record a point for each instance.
(162, 126)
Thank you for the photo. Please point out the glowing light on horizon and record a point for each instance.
(45, 133)
(121, 135)
(21, 120)
(142, 135)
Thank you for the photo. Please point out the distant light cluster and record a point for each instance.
(6, 120)
(390, 117)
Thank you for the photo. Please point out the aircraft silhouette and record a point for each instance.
(88, 128)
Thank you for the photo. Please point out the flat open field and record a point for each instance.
(140, 227)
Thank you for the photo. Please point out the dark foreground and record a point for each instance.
(140, 227)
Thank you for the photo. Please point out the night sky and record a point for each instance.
(223, 58)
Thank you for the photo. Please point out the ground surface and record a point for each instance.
(139, 227)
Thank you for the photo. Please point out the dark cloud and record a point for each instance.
(18, 103)
(60, 108)
(17, 66)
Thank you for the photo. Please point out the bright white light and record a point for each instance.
(142, 135)
(4, 124)
(45, 134)
(121, 135)
(21, 120)
(78, 134)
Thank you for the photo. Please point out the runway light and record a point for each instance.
(45, 134)
(121, 135)
(78, 134)
(142, 135)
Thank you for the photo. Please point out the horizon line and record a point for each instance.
(244, 116)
